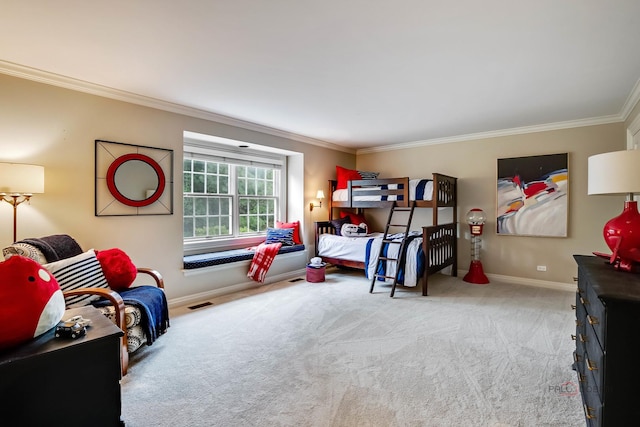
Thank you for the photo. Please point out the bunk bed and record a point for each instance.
(439, 241)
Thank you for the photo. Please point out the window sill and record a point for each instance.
(191, 262)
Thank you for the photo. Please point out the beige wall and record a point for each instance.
(474, 163)
(56, 128)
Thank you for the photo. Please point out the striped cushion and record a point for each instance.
(368, 175)
(80, 271)
(26, 250)
(280, 235)
(226, 257)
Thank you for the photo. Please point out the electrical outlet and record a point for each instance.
(541, 268)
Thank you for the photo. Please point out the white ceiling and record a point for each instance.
(356, 73)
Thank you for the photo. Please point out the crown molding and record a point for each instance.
(627, 108)
(53, 79)
(632, 101)
(496, 133)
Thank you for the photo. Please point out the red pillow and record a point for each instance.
(343, 175)
(354, 218)
(296, 230)
(117, 268)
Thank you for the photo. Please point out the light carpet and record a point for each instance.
(331, 354)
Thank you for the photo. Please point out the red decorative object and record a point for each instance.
(622, 235)
(31, 302)
(476, 274)
(113, 189)
(476, 219)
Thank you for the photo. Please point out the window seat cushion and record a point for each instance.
(225, 257)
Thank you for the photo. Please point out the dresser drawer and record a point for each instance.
(581, 316)
(595, 312)
(594, 359)
(591, 403)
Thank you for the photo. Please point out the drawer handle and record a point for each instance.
(587, 412)
(582, 338)
(578, 323)
(584, 301)
(580, 290)
(591, 366)
(576, 357)
(573, 337)
(592, 320)
(582, 378)
(575, 279)
(573, 306)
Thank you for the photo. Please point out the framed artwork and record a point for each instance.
(133, 179)
(532, 196)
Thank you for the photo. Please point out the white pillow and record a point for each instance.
(80, 271)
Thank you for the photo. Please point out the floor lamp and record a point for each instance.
(18, 182)
(619, 173)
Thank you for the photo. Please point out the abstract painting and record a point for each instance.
(532, 196)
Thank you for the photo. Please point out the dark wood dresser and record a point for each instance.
(607, 347)
(64, 382)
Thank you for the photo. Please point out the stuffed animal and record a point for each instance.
(117, 267)
(352, 230)
(31, 302)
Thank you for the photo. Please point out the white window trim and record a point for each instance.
(255, 157)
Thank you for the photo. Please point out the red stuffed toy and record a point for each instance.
(31, 302)
(117, 267)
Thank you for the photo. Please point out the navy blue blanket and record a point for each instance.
(152, 302)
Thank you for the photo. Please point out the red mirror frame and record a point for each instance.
(113, 189)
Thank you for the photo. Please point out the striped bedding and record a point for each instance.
(419, 189)
(366, 250)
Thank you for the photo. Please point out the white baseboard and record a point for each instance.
(569, 287)
(202, 296)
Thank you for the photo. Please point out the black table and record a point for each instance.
(56, 381)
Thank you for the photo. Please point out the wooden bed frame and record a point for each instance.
(439, 241)
(444, 194)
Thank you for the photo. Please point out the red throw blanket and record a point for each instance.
(262, 260)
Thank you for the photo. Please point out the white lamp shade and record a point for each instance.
(320, 195)
(17, 178)
(614, 173)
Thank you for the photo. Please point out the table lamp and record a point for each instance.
(618, 172)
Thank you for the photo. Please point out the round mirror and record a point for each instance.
(135, 180)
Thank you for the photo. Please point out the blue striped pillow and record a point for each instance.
(280, 235)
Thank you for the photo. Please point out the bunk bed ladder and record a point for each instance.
(393, 222)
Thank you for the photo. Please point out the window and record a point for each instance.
(229, 196)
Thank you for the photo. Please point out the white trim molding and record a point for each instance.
(496, 133)
(559, 286)
(28, 73)
(53, 79)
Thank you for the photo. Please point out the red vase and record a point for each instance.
(622, 235)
